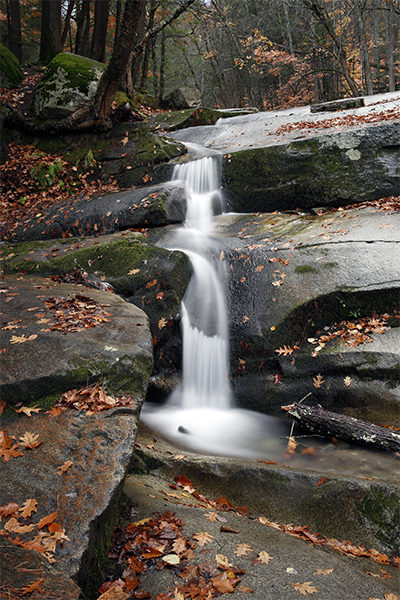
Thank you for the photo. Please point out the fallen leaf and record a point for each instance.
(162, 323)
(151, 283)
(28, 411)
(223, 585)
(15, 339)
(179, 546)
(244, 589)
(259, 268)
(318, 381)
(347, 381)
(305, 588)
(246, 319)
(223, 560)
(321, 481)
(64, 467)
(291, 447)
(35, 586)
(203, 538)
(7, 453)
(28, 508)
(160, 296)
(30, 440)
(133, 271)
(242, 549)
(47, 520)
(324, 572)
(171, 559)
(264, 557)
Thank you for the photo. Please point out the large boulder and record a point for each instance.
(144, 207)
(145, 275)
(182, 98)
(68, 82)
(294, 158)
(291, 278)
(10, 73)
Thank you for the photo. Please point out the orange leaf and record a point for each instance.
(160, 296)
(28, 508)
(63, 468)
(321, 481)
(7, 453)
(31, 588)
(151, 283)
(47, 520)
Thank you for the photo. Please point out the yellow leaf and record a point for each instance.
(133, 271)
(27, 410)
(162, 323)
(30, 440)
(347, 381)
(265, 557)
(171, 559)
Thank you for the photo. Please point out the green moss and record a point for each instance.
(80, 71)
(305, 269)
(381, 509)
(330, 265)
(11, 74)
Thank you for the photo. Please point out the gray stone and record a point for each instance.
(145, 207)
(118, 351)
(68, 83)
(182, 98)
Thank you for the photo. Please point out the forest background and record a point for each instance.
(237, 53)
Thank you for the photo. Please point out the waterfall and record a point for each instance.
(200, 415)
(205, 381)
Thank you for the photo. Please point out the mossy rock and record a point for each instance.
(68, 82)
(11, 75)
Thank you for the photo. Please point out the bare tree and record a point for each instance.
(50, 37)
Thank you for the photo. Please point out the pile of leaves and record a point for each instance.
(92, 399)
(355, 332)
(75, 313)
(32, 181)
(157, 542)
(391, 204)
(20, 521)
(347, 121)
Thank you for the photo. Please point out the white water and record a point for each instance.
(200, 415)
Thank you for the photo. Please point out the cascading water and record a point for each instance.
(200, 415)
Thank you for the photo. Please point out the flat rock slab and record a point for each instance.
(151, 206)
(38, 362)
(85, 495)
(244, 484)
(295, 158)
(20, 568)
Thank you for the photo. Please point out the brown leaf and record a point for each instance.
(7, 453)
(264, 557)
(28, 411)
(321, 481)
(47, 520)
(305, 588)
(64, 467)
(242, 549)
(35, 586)
(291, 447)
(30, 440)
(223, 585)
(318, 381)
(203, 538)
(28, 508)
(324, 572)
(259, 268)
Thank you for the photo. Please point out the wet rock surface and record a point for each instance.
(294, 158)
(147, 276)
(20, 568)
(38, 362)
(151, 206)
(277, 493)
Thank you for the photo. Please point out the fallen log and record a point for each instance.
(328, 424)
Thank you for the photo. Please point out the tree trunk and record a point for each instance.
(392, 84)
(147, 50)
(364, 51)
(82, 28)
(109, 81)
(99, 38)
(135, 63)
(162, 67)
(328, 424)
(154, 61)
(50, 37)
(67, 21)
(340, 52)
(15, 29)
